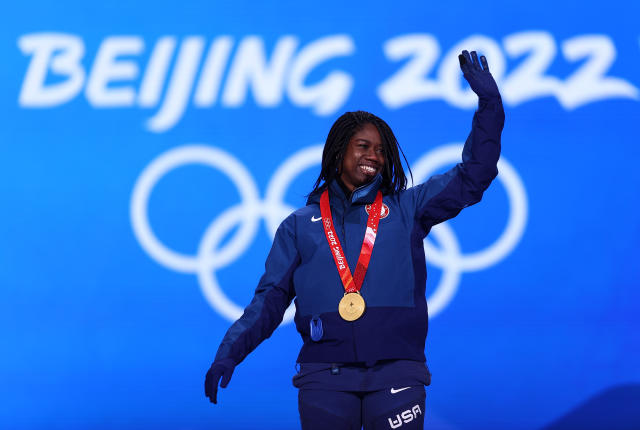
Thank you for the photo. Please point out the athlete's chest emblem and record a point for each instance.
(384, 212)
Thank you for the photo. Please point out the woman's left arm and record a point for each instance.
(443, 196)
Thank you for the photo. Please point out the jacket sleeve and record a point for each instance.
(273, 295)
(443, 196)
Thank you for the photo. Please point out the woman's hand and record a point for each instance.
(219, 369)
(479, 77)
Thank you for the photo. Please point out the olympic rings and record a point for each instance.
(247, 214)
(452, 259)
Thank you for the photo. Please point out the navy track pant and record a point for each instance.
(397, 408)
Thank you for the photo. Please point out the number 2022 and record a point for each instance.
(527, 81)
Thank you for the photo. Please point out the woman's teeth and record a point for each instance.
(368, 169)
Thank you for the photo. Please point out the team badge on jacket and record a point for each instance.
(383, 213)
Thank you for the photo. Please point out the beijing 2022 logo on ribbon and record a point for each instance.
(248, 213)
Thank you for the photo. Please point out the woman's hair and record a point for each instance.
(393, 176)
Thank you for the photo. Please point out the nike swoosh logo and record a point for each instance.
(393, 390)
(314, 219)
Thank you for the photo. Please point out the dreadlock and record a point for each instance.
(393, 176)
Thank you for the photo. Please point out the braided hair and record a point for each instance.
(393, 176)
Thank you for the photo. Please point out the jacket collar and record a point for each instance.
(365, 194)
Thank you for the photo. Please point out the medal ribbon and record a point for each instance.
(351, 284)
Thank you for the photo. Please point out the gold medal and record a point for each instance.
(351, 306)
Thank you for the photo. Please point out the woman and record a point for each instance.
(364, 332)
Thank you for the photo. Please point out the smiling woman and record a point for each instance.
(360, 146)
(364, 158)
(362, 361)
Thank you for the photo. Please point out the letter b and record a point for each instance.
(61, 53)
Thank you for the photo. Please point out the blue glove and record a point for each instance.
(219, 369)
(479, 78)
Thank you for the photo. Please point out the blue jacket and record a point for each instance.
(300, 265)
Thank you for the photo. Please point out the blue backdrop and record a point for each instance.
(149, 150)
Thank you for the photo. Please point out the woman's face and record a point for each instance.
(363, 159)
